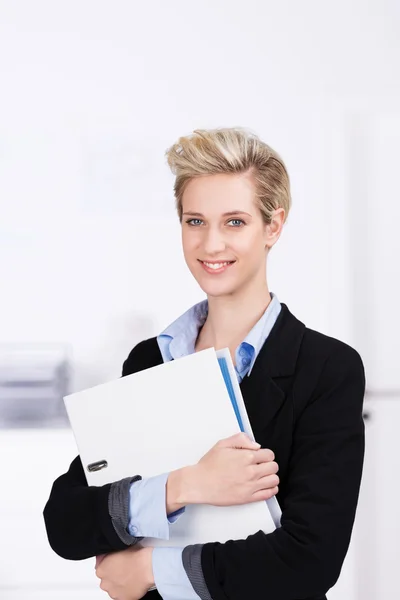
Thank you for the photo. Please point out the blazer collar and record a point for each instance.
(262, 394)
(278, 355)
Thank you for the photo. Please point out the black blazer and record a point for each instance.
(304, 399)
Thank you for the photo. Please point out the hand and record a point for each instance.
(126, 575)
(234, 471)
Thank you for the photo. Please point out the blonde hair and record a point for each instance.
(231, 150)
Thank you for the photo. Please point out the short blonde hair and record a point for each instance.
(231, 150)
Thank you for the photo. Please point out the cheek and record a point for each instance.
(248, 245)
(251, 250)
(189, 243)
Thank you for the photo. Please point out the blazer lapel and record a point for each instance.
(262, 394)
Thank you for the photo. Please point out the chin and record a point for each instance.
(213, 285)
(217, 289)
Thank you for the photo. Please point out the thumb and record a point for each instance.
(240, 440)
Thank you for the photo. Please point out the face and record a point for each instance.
(225, 240)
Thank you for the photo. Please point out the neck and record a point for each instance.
(230, 318)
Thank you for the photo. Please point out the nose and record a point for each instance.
(214, 242)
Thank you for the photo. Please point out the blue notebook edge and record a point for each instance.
(272, 503)
(231, 391)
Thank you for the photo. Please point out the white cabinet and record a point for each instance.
(29, 569)
(377, 532)
(370, 571)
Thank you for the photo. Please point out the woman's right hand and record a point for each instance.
(234, 471)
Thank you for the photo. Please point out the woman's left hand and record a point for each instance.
(126, 575)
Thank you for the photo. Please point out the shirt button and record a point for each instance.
(134, 531)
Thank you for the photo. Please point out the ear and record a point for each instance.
(273, 230)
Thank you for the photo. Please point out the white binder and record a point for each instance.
(164, 418)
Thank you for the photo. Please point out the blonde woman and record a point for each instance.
(303, 392)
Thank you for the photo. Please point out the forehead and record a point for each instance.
(215, 194)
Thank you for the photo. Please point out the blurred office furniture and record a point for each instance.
(33, 380)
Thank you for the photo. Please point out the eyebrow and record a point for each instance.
(231, 213)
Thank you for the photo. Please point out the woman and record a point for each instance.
(303, 392)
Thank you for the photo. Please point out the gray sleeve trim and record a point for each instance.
(118, 508)
(191, 559)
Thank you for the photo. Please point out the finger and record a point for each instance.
(99, 559)
(264, 469)
(264, 494)
(268, 482)
(243, 440)
(109, 588)
(264, 455)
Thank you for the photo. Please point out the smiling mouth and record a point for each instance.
(216, 267)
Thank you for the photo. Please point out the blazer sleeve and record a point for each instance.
(84, 521)
(77, 517)
(303, 558)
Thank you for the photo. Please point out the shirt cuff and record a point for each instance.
(191, 560)
(170, 576)
(172, 517)
(147, 508)
(118, 508)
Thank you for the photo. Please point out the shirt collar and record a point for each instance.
(256, 337)
(179, 338)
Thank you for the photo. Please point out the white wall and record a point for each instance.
(92, 94)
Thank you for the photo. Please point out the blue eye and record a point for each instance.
(196, 222)
(190, 222)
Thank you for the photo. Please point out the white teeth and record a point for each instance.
(216, 266)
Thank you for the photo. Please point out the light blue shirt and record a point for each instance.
(147, 506)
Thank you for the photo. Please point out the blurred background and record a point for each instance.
(92, 93)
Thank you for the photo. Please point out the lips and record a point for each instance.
(216, 266)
